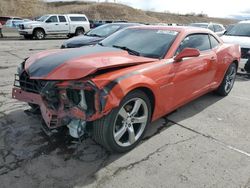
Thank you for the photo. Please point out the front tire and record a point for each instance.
(228, 81)
(39, 34)
(123, 128)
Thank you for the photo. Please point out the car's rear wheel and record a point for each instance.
(228, 81)
(123, 128)
(79, 31)
(39, 34)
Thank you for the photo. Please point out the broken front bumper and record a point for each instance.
(53, 118)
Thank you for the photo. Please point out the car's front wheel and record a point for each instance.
(123, 128)
(39, 34)
(228, 81)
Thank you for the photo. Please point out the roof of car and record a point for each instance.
(175, 28)
(124, 24)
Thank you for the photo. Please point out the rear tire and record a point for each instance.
(79, 31)
(228, 81)
(123, 128)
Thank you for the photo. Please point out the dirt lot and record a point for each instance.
(204, 144)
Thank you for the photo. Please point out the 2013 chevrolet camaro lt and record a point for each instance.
(130, 79)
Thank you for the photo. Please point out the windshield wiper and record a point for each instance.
(130, 51)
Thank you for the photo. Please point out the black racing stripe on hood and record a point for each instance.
(42, 67)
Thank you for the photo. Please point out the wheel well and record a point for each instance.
(80, 28)
(150, 95)
(236, 63)
(37, 28)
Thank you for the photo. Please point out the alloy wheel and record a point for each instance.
(130, 122)
(230, 78)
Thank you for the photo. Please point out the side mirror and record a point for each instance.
(48, 21)
(187, 52)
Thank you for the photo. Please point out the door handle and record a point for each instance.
(56, 24)
(66, 24)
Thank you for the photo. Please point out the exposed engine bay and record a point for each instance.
(62, 103)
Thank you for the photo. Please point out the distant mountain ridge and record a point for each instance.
(100, 11)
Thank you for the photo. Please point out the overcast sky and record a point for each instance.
(215, 8)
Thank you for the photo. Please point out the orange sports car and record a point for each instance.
(130, 79)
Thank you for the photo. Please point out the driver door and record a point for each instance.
(52, 25)
(193, 75)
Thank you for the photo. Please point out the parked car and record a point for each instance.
(68, 24)
(97, 23)
(229, 27)
(240, 34)
(4, 19)
(128, 80)
(219, 29)
(95, 35)
(12, 23)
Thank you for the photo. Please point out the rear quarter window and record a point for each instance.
(214, 42)
(78, 19)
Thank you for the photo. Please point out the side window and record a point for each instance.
(52, 19)
(78, 19)
(198, 41)
(214, 41)
(62, 19)
(218, 28)
(211, 27)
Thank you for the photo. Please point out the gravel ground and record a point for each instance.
(203, 144)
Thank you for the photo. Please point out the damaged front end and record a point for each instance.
(62, 103)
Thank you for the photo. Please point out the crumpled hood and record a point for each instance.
(72, 64)
(82, 40)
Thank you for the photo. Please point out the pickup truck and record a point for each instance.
(67, 24)
(240, 34)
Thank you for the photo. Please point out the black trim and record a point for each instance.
(113, 83)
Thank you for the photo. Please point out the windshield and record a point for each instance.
(103, 31)
(43, 18)
(199, 25)
(242, 29)
(153, 43)
(8, 22)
